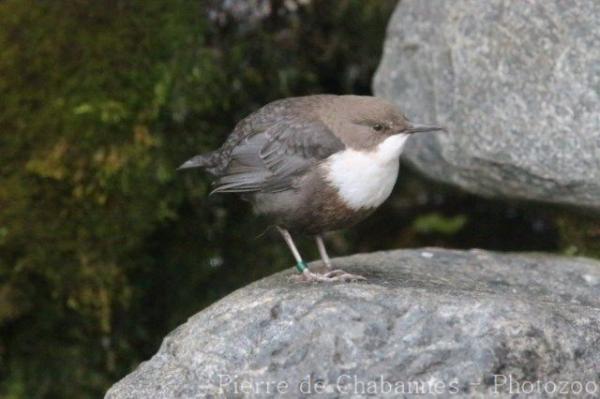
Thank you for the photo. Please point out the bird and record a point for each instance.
(313, 164)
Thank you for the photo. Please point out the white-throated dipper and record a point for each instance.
(313, 164)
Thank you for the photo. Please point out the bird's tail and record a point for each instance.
(208, 161)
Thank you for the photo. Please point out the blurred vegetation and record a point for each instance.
(580, 235)
(104, 248)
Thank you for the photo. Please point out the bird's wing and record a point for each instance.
(273, 155)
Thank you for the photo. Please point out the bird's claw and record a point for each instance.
(329, 277)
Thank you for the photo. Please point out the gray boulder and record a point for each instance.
(428, 321)
(517, 83)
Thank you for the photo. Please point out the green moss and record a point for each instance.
(440, 224)
(580, 235)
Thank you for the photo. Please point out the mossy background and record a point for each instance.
(104, 247)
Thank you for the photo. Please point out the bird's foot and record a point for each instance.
(344, 276)
(332, 276)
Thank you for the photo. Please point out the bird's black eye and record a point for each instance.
(378, 127)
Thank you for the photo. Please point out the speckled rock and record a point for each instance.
(517, 83)
(428, 321)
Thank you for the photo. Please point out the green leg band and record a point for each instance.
(301, 266)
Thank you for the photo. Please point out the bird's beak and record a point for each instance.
(425, 128)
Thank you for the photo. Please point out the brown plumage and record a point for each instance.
(294, 160)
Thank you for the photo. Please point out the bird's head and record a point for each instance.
(364, 122)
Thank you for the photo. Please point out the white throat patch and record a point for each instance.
(364, 179)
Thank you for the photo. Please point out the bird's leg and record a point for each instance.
(323, 252)
(307, 275)
(300, 264)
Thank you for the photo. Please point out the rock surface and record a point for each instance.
(427, 321)
(517, 84)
